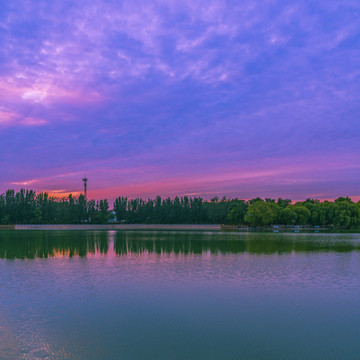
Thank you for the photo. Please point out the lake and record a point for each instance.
(178, 295)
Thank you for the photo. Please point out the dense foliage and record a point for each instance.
(26, 207)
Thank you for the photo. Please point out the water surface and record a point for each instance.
(178, 295)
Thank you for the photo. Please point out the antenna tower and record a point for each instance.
(85, 185)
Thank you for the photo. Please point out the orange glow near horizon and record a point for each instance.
(62, 193)
(272, 180)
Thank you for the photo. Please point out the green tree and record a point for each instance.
(237, 212)
(104, 211)
(286, 216)
(283, 203)
(261, 213)
(36, 216)
(120, 207)
(302, 214)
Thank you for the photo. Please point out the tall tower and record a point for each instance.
(85, 185)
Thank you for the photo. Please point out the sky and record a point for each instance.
(166, 97)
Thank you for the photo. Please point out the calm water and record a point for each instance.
(179, 295)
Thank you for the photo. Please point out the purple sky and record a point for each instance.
(207, 97)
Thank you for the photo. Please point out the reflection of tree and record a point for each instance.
(43, 244)
(102, 242)
(198, 243)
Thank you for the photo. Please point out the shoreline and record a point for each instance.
(209, 227)
(178, 227)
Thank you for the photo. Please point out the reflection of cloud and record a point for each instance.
(8, 339)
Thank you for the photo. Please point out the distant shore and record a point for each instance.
(205, 227)
(175, 227)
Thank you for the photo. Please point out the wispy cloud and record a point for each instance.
(186, 90)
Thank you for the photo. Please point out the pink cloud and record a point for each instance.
(46, 92)
(10, 118)
(24, 183)
(31, 121)
(7, 117)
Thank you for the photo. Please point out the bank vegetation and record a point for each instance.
(27, 207)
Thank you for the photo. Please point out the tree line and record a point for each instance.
(27, 207)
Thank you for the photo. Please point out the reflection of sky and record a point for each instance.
(208, 97)
(150, 305)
